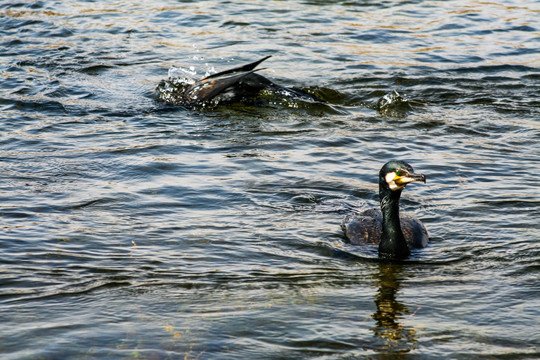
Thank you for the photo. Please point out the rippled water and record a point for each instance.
(132, 229)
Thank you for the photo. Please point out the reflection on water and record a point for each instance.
(395, 336)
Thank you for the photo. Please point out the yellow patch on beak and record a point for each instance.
(409, 178)
(402, 180)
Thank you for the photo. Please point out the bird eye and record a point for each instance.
(398, 172)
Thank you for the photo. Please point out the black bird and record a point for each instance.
(395, 235)
(236, 84)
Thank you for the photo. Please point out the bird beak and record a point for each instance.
(409, 178)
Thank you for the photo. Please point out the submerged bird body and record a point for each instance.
(233, 85)
(394, 234)
(244, 85)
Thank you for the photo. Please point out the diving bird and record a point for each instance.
(394, 234)
(210, 86)
(244, 85)
(236, 84)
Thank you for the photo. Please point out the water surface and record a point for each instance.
(131, 229)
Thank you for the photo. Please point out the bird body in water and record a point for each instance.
(233, 85)
(243, 84)
(394, 234)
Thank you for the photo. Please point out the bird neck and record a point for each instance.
(392, 244)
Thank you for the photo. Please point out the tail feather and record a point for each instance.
(243, 68)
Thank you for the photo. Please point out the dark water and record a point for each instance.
(135, 230)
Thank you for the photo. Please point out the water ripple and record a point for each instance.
(135, 229)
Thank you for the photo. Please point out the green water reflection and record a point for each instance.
(394, 335)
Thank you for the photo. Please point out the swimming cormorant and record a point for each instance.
(393, 233)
